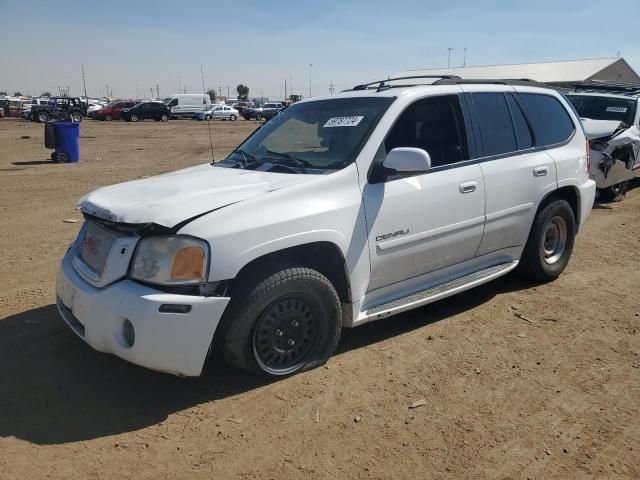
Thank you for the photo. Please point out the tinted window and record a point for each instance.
(549, 120)
(496, 128)
(604, 108)
(523, 134)
(434, 124)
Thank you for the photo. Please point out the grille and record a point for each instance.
(96, 246)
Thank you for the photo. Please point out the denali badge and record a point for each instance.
(391, 235)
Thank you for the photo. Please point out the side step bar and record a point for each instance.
(438, 292)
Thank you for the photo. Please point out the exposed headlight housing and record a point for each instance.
(170, 260)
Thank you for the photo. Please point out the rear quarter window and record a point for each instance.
(548, 118)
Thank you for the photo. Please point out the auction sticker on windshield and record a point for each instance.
(617, 109)
(343, 121)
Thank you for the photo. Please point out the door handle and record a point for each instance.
(468, 187)
(540, 171)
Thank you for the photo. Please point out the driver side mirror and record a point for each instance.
(407, 160)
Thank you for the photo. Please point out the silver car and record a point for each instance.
(218, 111)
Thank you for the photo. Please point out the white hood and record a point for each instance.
(178, 196)
(599, 128)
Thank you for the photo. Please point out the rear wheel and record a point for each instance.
(76, 117)
(283, 323)
(614, 193)
(207, 117)
(550, 243)
(43, 117)
(108, 117)
(134, 118)
(232, 117)
(258, 116)
(164, 117)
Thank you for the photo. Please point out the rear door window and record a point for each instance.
(548, 118)
(496, 128)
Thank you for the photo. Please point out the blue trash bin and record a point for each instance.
(67, 146)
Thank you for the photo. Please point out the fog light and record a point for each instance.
(128, 333)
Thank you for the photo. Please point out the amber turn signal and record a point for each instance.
(188, 264)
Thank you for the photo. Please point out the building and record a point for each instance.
(559, 74)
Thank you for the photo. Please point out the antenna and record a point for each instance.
(464, 61)
(213, 160)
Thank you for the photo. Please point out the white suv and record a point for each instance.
(339, 211)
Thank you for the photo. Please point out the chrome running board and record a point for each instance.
(437, 292)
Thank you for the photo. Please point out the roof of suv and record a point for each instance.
(409, 85)
(607, 89)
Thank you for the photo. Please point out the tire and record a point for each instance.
(207, 117)
(258, 116)
(614, 193)
(232, 117)
(164, 117)
(43, 117)
(76, 117)
(108, 117)
(60, 157)
(550, 243)
(283, 322)
(133, 118)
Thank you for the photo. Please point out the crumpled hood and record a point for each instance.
(174, 197)
(599, 128)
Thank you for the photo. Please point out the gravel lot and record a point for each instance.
(518, 380)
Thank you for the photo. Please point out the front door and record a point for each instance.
(425, 222)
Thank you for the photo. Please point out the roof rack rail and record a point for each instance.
(601, 85)
(484, 81)
(382, 83)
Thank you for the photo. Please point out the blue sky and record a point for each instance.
(134, 45)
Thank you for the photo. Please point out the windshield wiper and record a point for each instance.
(246, 157)
(302, 164)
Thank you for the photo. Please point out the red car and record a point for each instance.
(112, 111)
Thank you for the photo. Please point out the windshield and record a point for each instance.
(604, 108)
(313, 137)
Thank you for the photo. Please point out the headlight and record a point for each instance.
(170, 260)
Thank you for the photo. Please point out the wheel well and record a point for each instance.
(570, 194)
(325, 257)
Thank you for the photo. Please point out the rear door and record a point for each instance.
(517, 175)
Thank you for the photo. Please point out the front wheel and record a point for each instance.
(76, 117)
(43, 117)
(164, 117)
(283, 323)
(108, 117)
(550, 243)
(232, 117)
(207, 117)
(258, 116)
(133, 118)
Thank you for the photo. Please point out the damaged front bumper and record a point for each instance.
(133, 321)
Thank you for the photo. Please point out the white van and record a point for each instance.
(188, 104)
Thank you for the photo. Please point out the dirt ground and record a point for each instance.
(519, 381)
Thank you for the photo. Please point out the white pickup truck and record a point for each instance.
(339, 211)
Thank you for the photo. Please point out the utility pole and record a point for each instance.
(137, 91)
(464, 61)
(107, 91)
(285, 88)
(151, 90)
(158, 90)
(85, 85)
(331, 85)
(202, 78)
(291, 84)
(184, 89)
(228, 92)
(310, 65)
(220, 92)
(449, 59)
